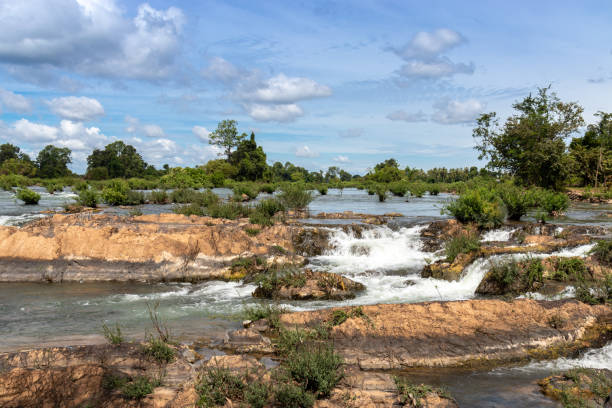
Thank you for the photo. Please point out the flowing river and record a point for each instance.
(387, 260)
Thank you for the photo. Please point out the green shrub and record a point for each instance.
(189, 209)
(8, 181)
(265, 210)
(230, 211)
(515, 200)
(257, 394)
(413, 394)
(603, 252)
(80, 186)
(479, 206)
(159, 350)
(52, 187)
(434, 190)
(267, 188)
(88, 198)
(505, 274)
(570, 269)
(417, 190)
(398, 188)
(295, 196)
(316, 368)
(183, 195)
(134, 198)
(216, 385)
(461, 244)
(116, 192)
(270, 312)
(158, 197)
(28, 196)
(273, 279)
(292, 396)
(248, 189)
(599, 292)
(553, 202)
(112, 382)
(322, 189)
(534, 272)
(113, 336)
(381, 192)
(139, 388)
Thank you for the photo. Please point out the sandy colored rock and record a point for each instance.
(460, 333)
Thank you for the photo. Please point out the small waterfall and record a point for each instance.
(497, 235)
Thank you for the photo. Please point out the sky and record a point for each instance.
(321, 83)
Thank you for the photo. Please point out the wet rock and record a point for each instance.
(460, 333)
(582, 387)
(311, 285)
(437, 232)
(447, 270)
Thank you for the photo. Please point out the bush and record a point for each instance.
(134, 198)
(115, 192)
(461, 244)
(554, 203)
(216, 385)
(434, 190)
(316, 368)
(52, 187)
(292, 396)
(158, 197)
(189, 209)
(139, 388)
(398, 188)
(273, 279)
(248, 189)
(265, 210)
(505, 274)
(479, 206)
(570, 269)
(322, 189)
(534, 272)
(159, 350)
(88, 198)
(417, 190)
(257, 394)
(28, 196)
(230, 211)
(381, 191)
(7, 182)
(603, 252)
(270, 312)
(113, 336)
(515, 200)
(413, 394)
(295, 196)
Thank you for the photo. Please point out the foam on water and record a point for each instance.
(16, 220)
(594, 358)
(497, 235)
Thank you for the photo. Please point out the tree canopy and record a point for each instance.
(116, 160)
(530, 145)
(226, 137)
(53, 162)
(592, 153)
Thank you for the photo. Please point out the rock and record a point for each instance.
(247, 341)
(449, 271)
(163, 247)
(314, 286)
(461, 333)
(582, 386)
(235, 363)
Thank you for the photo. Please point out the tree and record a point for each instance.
(18, 166)
(249, 159)
(8, 151)
(531, 143)
(592, 153)
(117, 160)
(53, 162)
(226, 137)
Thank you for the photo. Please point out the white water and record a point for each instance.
(15, 220)
(595, 358)
(497, 235)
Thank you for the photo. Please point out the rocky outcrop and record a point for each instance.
(311, 285)
(165, 247)
(582, 387)
(461, 333)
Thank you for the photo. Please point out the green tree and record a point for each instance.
(592, 153)
(53, 162)
(8, 151)
(120, 161)
(531, 143)
(249, 159)
(18, 166)
(226, 137)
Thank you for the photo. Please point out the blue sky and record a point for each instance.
(321, 83)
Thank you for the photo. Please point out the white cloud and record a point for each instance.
(91, 37)
(407, 116)
(341, 159)
(286, 90)
(448, 112)
(148, 130)
(221, 69)
(24, 130)
(304, 151)
(351, 133)
(277, 113)
(426, 45)
(201, 132)
(81, 109)
(15, 102)
(424, 59)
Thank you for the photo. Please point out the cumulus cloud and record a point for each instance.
(201, 132)
(410, 117)
(148, 130)
(28, 131)
(14, 102)
(424, 59)
(265, 99)
(351, 133)
(305, 151)
(80, 109)
(276, 113)
(341, 159)
(90, 37)
(450, 112)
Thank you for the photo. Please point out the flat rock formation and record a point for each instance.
(461, 333)
(165, 247)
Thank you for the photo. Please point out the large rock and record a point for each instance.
(461, 333)
(164, 247)
(583, 386)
